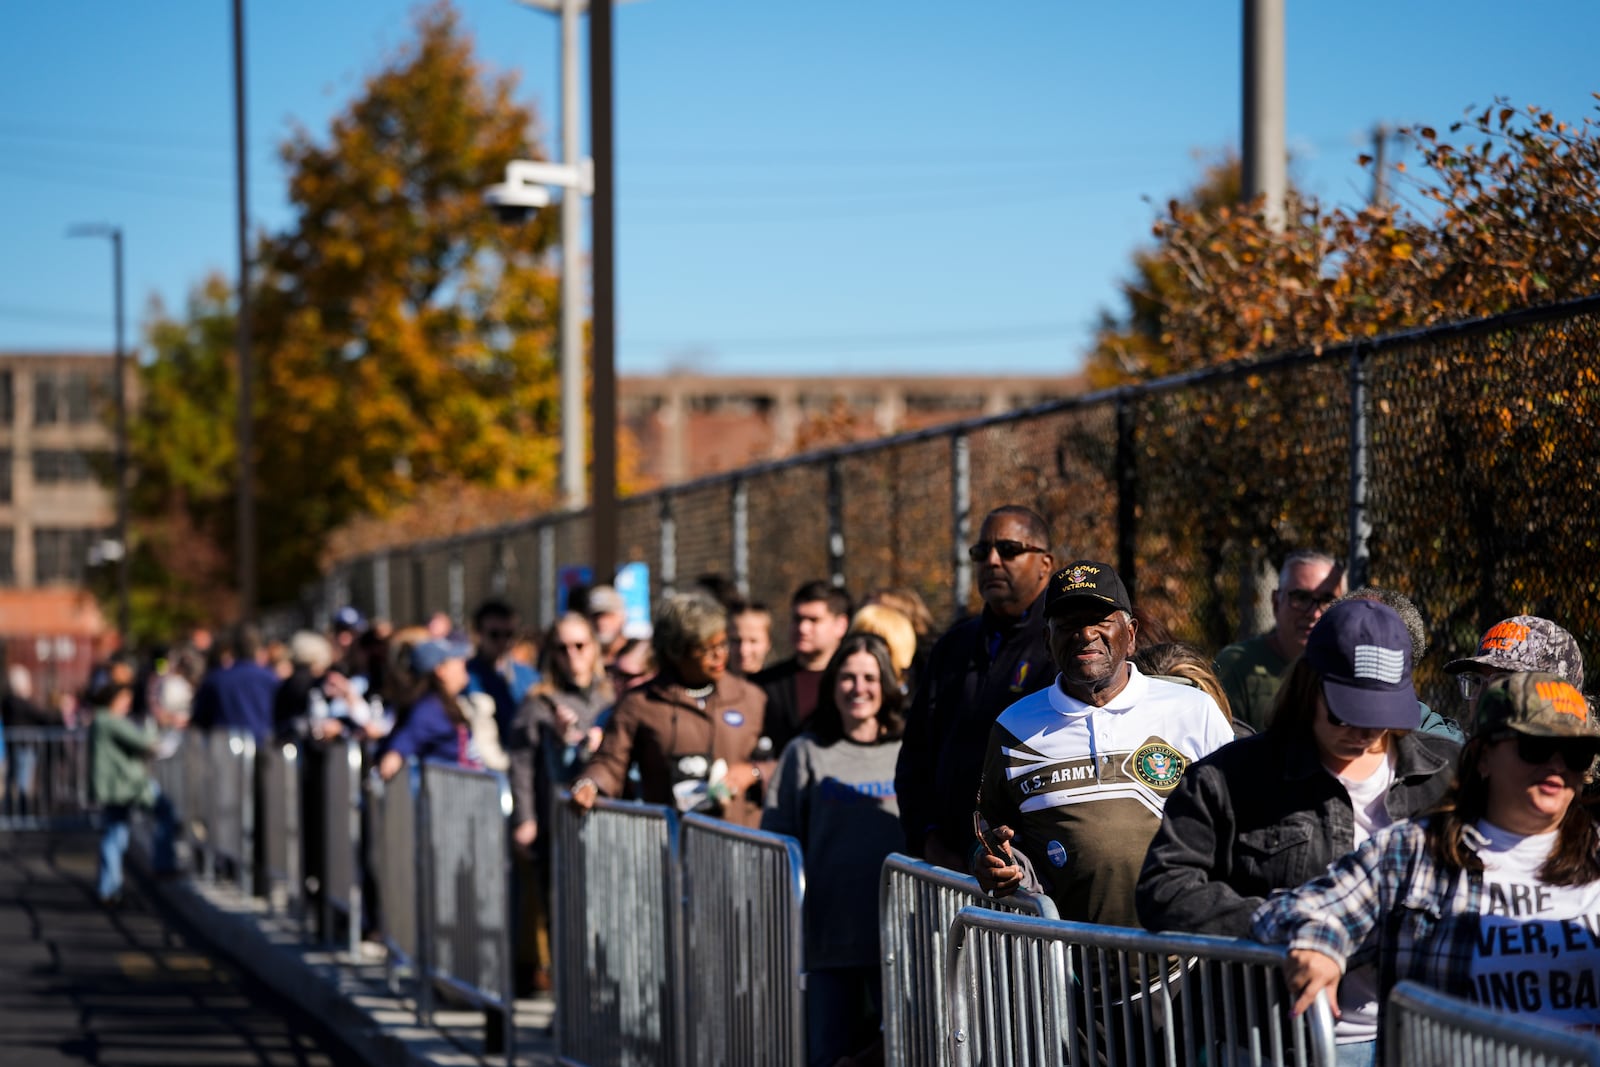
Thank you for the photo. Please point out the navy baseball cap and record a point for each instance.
(1363, 652)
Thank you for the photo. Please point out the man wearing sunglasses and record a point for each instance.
(1252, 670)
(1517, 645)
(982, 665)
(491, 670)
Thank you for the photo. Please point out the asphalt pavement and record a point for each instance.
(83, 984)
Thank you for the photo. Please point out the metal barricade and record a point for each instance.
(398, 858)
(1026, 990)
(744, 948)
(46, 778)
(467, 902)
(917, 902)
(341, 840)
(232, 759)
(195, 803)
(278, 820)
(615, 934)
(1425, 1028)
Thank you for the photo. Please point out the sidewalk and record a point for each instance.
(350, 996)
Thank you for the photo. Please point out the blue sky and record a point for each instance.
(835, 186)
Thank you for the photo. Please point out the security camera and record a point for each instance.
(516, 201)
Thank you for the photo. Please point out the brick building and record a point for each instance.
(691, 425)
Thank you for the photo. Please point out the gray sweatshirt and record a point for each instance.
(839, 801)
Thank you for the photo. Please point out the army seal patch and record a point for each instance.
(1159, 766)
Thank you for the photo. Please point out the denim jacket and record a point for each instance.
(1260, 815)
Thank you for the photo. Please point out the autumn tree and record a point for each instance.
(1502, 213)
(403, 337)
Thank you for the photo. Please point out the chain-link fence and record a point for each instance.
(1458, 465)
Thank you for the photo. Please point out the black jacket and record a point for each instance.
(783, 711)
(958, 697)
(1258, 815)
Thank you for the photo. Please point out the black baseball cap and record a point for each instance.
(1085, 579)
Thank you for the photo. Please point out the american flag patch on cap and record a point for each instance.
(1379, 663)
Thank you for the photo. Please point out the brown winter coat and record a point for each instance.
(657, 724)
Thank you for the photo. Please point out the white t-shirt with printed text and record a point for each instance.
(1538, 946)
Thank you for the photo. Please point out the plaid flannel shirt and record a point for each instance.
(1386, 900)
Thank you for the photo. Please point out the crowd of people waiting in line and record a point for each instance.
(1293, 788)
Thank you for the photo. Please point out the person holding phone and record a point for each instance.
(834, 791)
(1077, 774)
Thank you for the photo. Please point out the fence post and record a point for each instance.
(835, 523)
(961, 518)
(381, 609)
(1360, 528)
(547, 575)
(456, 586)
(499, 567)
(741, 536)
(669, 547)
(1127, 495)
(419, 592)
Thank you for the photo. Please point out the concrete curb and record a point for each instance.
(318, 990)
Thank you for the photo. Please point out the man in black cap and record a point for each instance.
(1077, 774)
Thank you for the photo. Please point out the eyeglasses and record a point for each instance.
(1304, 600)
(1470, 684)
(1536, 751)
(1008, 550)
(716, 648)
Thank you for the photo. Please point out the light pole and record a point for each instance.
(246, 534)
(120, 400)
(573, 492)
(520, 194)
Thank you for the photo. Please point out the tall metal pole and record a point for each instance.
(603, 508)
(246, 535)
(119, 395)
(1265, 155)
(573, 488)
(119, 392)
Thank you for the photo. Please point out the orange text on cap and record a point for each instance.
(1563, 697)
(1503, 636)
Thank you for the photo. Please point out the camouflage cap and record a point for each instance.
(1537, 703)
(1526, 643)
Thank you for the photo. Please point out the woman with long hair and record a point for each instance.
(558, 725)
(1495, 897)
(834, 791)
(1339, 761)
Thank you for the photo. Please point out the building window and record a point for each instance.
(62, 555)
(74, 397)
(5, 477)
(46, 399)
(8, 555)
(8, 403)
(65, 468)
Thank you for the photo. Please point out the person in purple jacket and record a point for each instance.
(434, 729)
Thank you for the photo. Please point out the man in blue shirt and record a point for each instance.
(491, 669)
(238, 697)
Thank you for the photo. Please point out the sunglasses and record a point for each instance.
(1008, 550)
(1537, 751)
(1304, 600)
(572, 646)
(1334, 720)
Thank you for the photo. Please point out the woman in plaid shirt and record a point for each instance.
(1495, 898)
